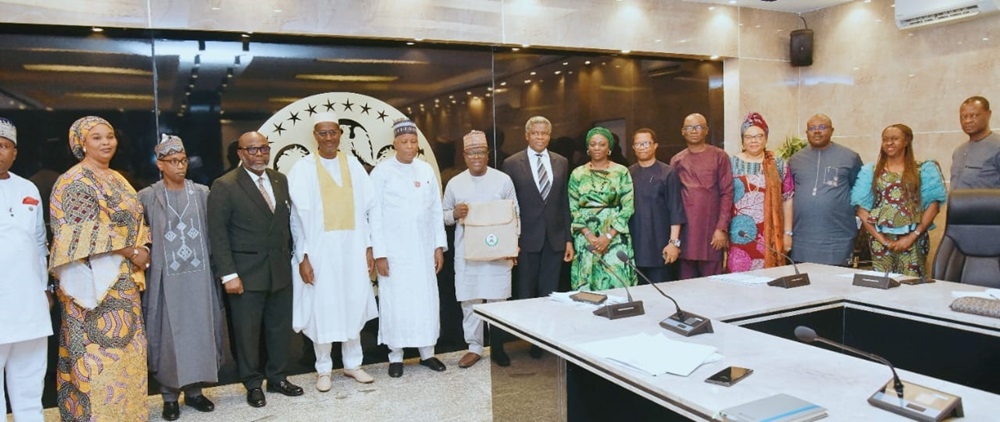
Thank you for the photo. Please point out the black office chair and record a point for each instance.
(970, 249)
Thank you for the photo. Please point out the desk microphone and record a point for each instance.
(883, 281)
(617, 310)
(683, 323)
(924, 404)
(788, 281)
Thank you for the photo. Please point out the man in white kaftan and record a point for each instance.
(332, 197)
(477, 281)
(24, 309)
(408, 243)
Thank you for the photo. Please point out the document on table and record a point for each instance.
(653, 354)
(742, 278)
(875, 273)
(986, 294)
(564, 297)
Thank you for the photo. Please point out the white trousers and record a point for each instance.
(396, 353)
(22, 368)
(472, 325)
(350, 351)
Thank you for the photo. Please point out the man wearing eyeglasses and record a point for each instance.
(823, 220)
(659, 212)
(707, 193)
(182, 305)
(248, 210)
(332, 198)
(976, 164)
(478, 281)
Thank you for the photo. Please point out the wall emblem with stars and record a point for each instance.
(366, 121)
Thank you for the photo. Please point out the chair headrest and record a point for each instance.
(974, 207)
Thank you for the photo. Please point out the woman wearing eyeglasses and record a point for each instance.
(897, 199)
(760, 230)
(99, 253)
(601, 204)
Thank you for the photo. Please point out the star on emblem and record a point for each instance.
(311, 110)
(294, 117)
(278, 128)
(328, 105)
(365, 108)
(348, 104)
(382, 115)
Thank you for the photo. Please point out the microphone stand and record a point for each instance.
(618, 310)
(684, 323)
(788, 281)
(922, 403)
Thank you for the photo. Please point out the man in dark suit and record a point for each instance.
(248, 211)
(540, 179)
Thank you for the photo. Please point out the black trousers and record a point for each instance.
(254, 314)
(538, 272)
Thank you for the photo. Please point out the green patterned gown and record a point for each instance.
(601, 200)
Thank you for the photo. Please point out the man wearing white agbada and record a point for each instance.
(477, 281)
(332, 198)
(24, 308)
(408, 242)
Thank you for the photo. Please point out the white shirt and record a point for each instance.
(546, 161)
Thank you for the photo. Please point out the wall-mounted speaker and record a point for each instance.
(801, 47)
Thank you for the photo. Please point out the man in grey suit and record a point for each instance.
(540, 179)
(248, 211)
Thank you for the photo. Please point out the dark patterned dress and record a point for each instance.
(101, 373)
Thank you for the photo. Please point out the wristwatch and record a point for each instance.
(609, 236)
(675, 242)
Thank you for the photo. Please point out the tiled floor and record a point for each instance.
(420, 395)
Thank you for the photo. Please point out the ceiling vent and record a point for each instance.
(918, 13)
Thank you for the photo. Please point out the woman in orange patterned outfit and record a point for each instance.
(98, 254)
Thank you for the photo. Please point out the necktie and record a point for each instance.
(263, 191)
(543, 178)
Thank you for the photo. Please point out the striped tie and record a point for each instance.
(543, 178)
(263, 191)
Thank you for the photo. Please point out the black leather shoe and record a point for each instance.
(201, 403)
(171, 411)
(500, 357)
(255, 397)
(396, 369)
(434, 364)
(284, 387)
(535, 352)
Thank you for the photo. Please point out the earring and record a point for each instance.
(84, 150)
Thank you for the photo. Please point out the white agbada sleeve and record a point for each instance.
(378, 179)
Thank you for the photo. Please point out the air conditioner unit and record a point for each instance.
(916, 13)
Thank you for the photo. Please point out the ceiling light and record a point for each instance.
(468, 92)
(515, 49)
(711, 7)
(532, 73)
(557, 72)
(111, 96)
(527, 81)
(626, 51)
(97, 29)
(525, 45)
(87, 69)
(346, 78)
(565, 63)
(418, 39)
(714, 57)
(587, 62)
(503, 83)
(410, 43)
(373, 61)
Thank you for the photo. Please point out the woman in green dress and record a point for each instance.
(601, 203)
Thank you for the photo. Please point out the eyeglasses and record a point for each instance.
(176, 161)
(475, 154)
(757, 137)
(327, 133)
(693, 128)
(819, 128)
(266, 149)
(642, 145)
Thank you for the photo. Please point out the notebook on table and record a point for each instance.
(776, 408)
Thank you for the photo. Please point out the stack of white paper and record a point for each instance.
(987, 294)
(742, 278)
(653, 354)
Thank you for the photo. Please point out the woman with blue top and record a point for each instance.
(897, 200)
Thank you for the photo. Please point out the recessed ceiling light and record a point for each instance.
(418, 39)
(711, 7)
(410, 43)
(87, 69)
(533, 73)
(557, 72)
(586, 62)
(503, 83)
(515, 49)
(626, 51)
(97, 29)
(346, 78)
(527, 81)
(714, 57)
(565, 63)
(525, 45)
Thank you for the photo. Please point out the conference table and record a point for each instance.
(911, 325)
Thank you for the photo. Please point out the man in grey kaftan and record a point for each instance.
(182, 304)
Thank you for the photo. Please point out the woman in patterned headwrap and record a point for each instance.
(762, 202)
(601, 203)
(99, 254)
